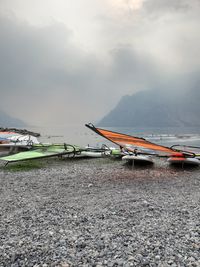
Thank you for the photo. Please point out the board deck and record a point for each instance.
(140, 159)
(89, 154)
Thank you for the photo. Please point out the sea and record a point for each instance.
(82, 136)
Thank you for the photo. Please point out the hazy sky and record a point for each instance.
(64, 61)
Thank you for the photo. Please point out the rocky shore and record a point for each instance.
(98, 213)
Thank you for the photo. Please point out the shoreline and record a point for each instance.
(99, 212)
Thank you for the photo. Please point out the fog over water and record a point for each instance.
(81, 135)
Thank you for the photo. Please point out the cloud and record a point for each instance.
(47, 77)
(132, 70)
(166, 31)
(44, 76)
(160, 7)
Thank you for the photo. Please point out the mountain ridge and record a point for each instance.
(9, 121)
(154, 108)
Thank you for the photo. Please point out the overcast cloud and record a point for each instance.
(71, 61)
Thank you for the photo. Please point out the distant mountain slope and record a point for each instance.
(8, 121)
(155, 109)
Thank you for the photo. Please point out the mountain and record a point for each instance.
(153, 108)
(8, 121)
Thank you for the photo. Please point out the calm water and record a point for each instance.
(81, 135)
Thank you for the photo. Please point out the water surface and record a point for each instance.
(81, 135)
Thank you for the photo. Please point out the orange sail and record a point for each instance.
(131, 143)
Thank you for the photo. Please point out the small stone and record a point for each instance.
(145, 262)
(145, 203)
(20, 242)
(157, 257)
(13, 257)
(139, 257)
(131, 258)
(64, 264)
(191, 259)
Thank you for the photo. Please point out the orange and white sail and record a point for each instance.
(131, 143)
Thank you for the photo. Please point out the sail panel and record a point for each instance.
(131, 142)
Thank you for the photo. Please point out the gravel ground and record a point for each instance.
(98, 212)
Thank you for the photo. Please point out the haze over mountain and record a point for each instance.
(155, 108)
(69, 62)
(8, 121)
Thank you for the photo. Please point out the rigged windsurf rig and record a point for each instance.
(142, 146)
(42, 151)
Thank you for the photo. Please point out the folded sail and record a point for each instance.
(131, 142)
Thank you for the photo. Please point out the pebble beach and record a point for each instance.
(98, 212)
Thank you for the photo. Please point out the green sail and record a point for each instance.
(42, 151)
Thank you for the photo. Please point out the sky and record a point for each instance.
(64, 61)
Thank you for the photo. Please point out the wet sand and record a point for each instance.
(98, 212)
